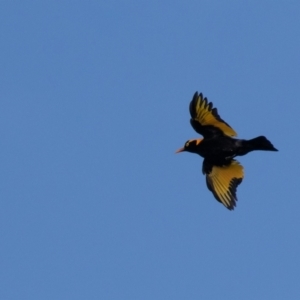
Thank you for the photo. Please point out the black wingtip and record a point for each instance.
(232, 204)
(193, 105)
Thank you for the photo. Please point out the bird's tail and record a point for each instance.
(258, 143)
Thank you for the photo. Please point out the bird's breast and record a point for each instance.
(217, 148)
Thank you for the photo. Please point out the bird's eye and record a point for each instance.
(187, 144)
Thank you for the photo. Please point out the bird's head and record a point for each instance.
(190, 146)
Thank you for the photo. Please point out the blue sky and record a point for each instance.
(94, 103)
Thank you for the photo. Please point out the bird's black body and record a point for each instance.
(219, 148)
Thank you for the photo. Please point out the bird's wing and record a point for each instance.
(206, 120)
(222, 181)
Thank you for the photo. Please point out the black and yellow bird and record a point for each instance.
(218, 148)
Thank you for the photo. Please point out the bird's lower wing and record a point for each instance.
(222, 181)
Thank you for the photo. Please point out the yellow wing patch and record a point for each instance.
(204, 114)
(223, 182)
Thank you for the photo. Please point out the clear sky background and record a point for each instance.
(94, 102)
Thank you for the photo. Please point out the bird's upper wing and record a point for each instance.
(206, 120)
(222, 181)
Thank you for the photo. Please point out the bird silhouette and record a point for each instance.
(218, 148)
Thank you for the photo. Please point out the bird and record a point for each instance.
(219, 148)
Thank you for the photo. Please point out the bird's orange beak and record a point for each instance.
(180, 150)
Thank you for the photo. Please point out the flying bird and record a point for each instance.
(219, 149)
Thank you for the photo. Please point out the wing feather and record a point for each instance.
(223, 181)
(206, 120)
